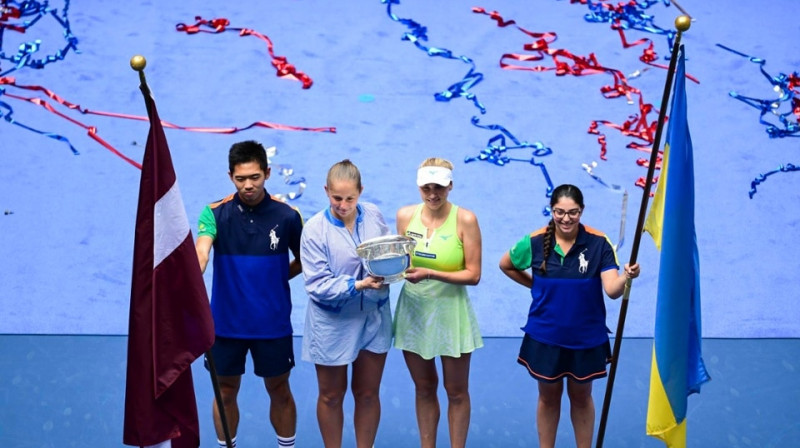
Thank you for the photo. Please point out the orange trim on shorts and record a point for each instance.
(547, 378)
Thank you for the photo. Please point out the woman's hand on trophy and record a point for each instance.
(416, 275)
(370, 282)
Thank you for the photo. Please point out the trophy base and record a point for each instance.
(394, 278)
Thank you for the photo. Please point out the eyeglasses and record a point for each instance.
(574, 213)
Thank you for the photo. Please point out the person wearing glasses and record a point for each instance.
(566, 338)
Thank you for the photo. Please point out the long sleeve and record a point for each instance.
(331, 265)
(318, 248)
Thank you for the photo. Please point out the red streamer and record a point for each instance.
(567, 63)
(219, 25)
(92, 130)
(637, 126)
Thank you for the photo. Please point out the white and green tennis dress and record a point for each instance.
(435, 318)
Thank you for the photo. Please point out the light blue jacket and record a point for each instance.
(331, 265)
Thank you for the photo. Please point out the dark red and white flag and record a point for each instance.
(170, 322)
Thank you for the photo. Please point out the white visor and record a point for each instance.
(434, 175)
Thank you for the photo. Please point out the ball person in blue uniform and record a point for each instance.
(566, 338)
(252, 235)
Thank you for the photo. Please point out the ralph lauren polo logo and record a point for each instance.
(584, 263)
(273, 238)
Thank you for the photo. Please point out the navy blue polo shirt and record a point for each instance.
(250, 297)
(567, 307)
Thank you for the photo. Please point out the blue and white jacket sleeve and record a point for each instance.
(317, 250)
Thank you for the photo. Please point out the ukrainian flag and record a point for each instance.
(677, 365)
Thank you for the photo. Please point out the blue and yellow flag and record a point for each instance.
(677, 365)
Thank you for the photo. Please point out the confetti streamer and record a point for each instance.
(21, 16)
(763, 177)
(284, 69)
(7, 114)
(589, 168)
(289, 178)
(496, 150)
(631, 15)
(92, 131)
(637, 126)
(787, 87)
(26, 14)
(627, 15)
(417, 34)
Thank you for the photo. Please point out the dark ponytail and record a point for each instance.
(547, 242)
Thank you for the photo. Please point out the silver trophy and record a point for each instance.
(387, 256)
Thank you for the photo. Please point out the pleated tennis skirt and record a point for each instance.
(550, 363)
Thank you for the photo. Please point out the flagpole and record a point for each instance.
(223, 419)
(682, 23)
(138, 64)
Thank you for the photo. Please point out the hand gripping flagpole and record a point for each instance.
(138, 63)
(682, 23)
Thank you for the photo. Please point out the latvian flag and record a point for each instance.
(170, 322)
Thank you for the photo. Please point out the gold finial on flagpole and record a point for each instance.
(138, 62)
(682, 23)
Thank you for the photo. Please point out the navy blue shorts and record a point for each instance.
(271, 357)
(550, 363)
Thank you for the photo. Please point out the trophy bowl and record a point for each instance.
(387, 256)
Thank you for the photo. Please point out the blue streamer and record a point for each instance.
(783, 85)
(32, 12)
(7, 117)
(496, 150)
(763, 177)
(24, 57)
(418, 34)
(589, 168)
(629, 16)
